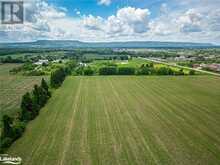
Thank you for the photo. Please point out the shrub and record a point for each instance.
(45, 87)
(165, 71)
(126, 71)
(162, 71)
(143, 71)
(28, 66)
(110, 64)
(34, 73)
(88, 71)
(170, 71)
(151, 64)
(57, 77)
(18, 129)
(152, 71)
(191, 72)
(9, 59)
(5, 143)
(28, 110)
(7, 130)
(15, 70)
(71, 64)
(179, 73)
(110, 70)
(79, 71)
(40, 96)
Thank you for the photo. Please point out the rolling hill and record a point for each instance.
(78, 44)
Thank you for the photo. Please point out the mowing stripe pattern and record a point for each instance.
(126, 120)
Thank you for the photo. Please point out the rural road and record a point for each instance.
(179, 66)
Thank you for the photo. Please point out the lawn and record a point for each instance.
(135, 62)
(13, 87)
(126, 120)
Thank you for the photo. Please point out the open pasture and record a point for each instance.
(126, 120)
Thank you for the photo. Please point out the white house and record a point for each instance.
(40, 62)
(83, 64)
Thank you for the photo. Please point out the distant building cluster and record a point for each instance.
(184, 58)
(46, 62)
(211, 67)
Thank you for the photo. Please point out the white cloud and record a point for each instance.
(161, 28)
(50, 12)
(137, 19)
(190, 21)
(214, 20)
(93, 23)
(104, 2)
(126, 21)
(39, 17)
(115, 26)
(46, 21)
(78, 13)
(164, 9)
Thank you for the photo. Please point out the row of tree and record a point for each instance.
(149, 69)
(9, 59)
(30, 106)
(32, 102)
(58, 76)
(145, 69)
(112, 70)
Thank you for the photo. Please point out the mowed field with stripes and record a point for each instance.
(126, 120)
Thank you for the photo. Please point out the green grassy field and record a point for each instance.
(12, 88)
(126, 120)
(135, 62)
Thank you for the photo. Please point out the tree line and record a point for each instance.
(58, 76)
(9, 59)
(144, 69)
(30, 106)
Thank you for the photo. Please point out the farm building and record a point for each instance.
(40, 62)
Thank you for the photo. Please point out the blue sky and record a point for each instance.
(117, 20)
(92, 7)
